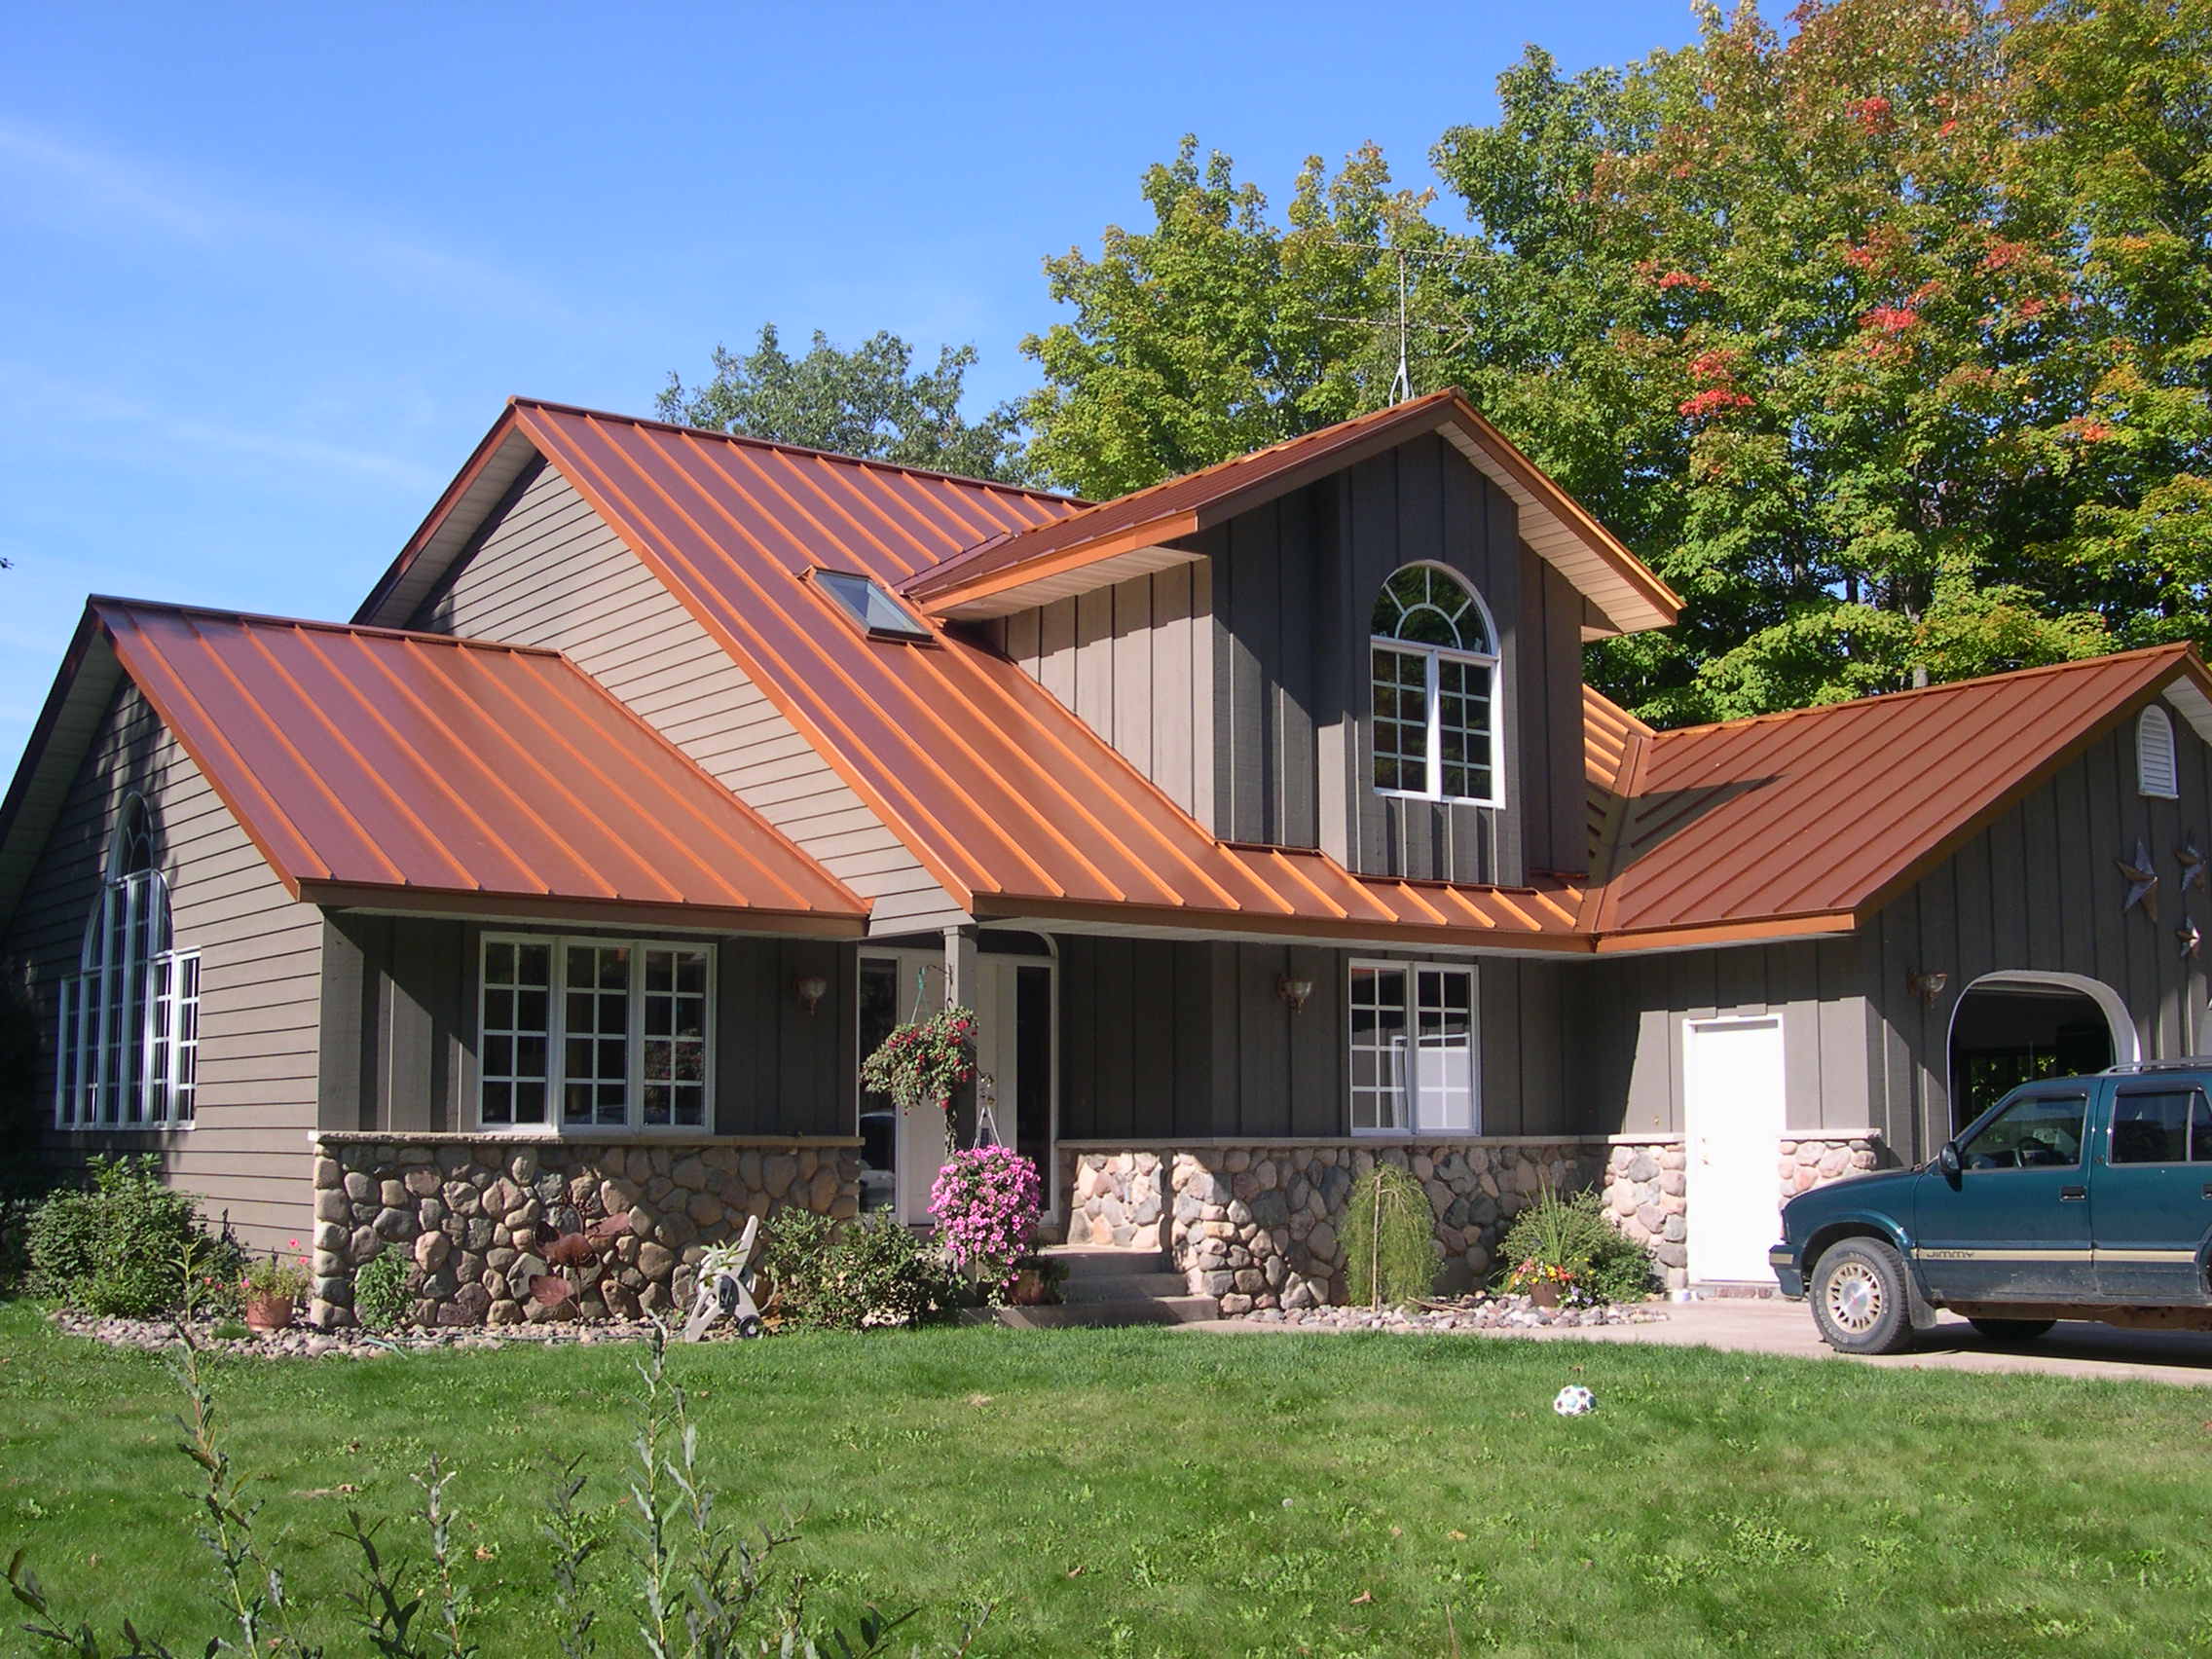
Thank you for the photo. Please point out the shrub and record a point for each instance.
(867, 1274)
(986, 1203)
(1389, 1236)
(1572, 1236)
(130, 1245)
(381, 1295)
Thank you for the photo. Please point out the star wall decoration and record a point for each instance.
(2191, 863)
(2188, 937)
(2142, 881)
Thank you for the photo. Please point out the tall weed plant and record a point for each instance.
(1389, 1239)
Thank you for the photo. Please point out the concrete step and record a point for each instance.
(1120, 1287)
(1097, 1261)
(1144, 1311)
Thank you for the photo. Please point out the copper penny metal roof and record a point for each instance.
(1115, 539)
(1821, 815)
(1009, 800)
(379, 767)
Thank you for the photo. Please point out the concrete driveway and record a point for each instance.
(1748, 1326)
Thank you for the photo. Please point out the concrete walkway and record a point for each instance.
(1747, 1326)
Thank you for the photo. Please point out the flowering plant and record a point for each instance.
(987, 1203)
(925, 1061)
(276, 1280)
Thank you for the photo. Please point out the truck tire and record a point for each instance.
(2012, 1330)
(1861, 1301)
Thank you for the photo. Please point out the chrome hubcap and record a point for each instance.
(1853, 1298)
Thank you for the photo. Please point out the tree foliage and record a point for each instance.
(1885, 341)
(869, 401)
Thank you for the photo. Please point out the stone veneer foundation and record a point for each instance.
(1255, 1222)
(476, 1212)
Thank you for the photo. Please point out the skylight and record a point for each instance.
(867, 602)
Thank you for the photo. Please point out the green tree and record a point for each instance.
(869, 401)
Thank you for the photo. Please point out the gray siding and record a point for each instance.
(246, 1154)
(399, 1030)
(1626, 1016)
(1135, 661)
(548, 571)
(1164, 1039)
(2037, 890)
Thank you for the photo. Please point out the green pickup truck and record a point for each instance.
(2082, 1197)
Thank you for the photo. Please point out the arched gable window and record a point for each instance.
(1434, 677)
(2155, 773)
(129, 1050)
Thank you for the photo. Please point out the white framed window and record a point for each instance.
(1433, 684)
(2155, 775)
(126, 1052)
(1414, 1035)
(594, 1034)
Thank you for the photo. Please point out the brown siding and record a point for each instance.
(246, 1156)
(2037, 890)
(1135, 661)
(399, 1030)
(1190, 1039)
(550, 572)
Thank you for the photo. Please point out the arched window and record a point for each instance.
(1434, 673)
(2155, 773)
(129, 1050)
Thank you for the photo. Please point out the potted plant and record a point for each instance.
(1547, 1250)
(1036, 1282)
(925, 1061)
(270, 1292)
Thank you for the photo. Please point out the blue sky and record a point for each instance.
(271, 272)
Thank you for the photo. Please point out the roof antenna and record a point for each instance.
(1402, 385)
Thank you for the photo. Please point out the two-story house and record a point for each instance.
(1264, 818)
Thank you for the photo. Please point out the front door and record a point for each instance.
(1732, 1077)
(2154, 1199)
(902, 1152)
(2013, 1226)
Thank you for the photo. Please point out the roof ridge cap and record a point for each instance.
(267, 619)
(2179, 650)
(751, 441)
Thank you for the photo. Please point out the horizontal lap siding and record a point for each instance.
(550, 572)
(261, 960)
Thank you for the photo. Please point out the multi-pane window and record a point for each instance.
(1412, 1050)
(1433, 683)
(595, 1034)
(128, 1051)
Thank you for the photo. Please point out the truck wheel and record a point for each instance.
(2012, 1330)
(1860, 1299)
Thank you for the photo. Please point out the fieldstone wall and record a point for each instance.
(1256, 1224)
(476, 1214)
(1808, 1163)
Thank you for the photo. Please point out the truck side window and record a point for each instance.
(2037, 1131)
(2200, 1131)
(2151, 1126)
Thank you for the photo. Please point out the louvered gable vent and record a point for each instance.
(2154, 754)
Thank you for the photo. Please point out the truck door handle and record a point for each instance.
(2072, 1194)
(2208, 1189)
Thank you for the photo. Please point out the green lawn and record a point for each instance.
(1150, 1492)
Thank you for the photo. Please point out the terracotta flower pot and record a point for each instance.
(1544, 1293)
(269, 1313)
(1031, 1288)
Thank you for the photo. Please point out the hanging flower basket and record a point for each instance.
(926, 1061)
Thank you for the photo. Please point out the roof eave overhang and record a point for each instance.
(75, 703)
(579, 910)
(1158, 922)
(500, 460)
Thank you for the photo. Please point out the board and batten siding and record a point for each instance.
(246, 1156)
(548, 571)
(1189, 1039)
(399, 1028)
(2038, 890)
(1134, 662)
(1627, 1015)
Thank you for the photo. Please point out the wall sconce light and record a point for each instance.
(811, 988)
(1927, 987)
(1294, 992)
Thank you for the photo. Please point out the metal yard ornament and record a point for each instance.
(2188, 937)
(2191, 863)
(2142, 881)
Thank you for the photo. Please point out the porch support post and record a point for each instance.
(960, 976)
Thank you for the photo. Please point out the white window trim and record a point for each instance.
(86, 1099)
(1412, 970)
(2154, 723)
(1431, 656)
(556, 1040)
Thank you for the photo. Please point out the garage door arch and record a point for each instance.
(2016, 1023)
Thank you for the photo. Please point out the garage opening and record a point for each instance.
(2008, 1030)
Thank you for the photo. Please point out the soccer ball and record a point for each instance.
(1574, 1400)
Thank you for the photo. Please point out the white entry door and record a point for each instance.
(1733, 1109)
